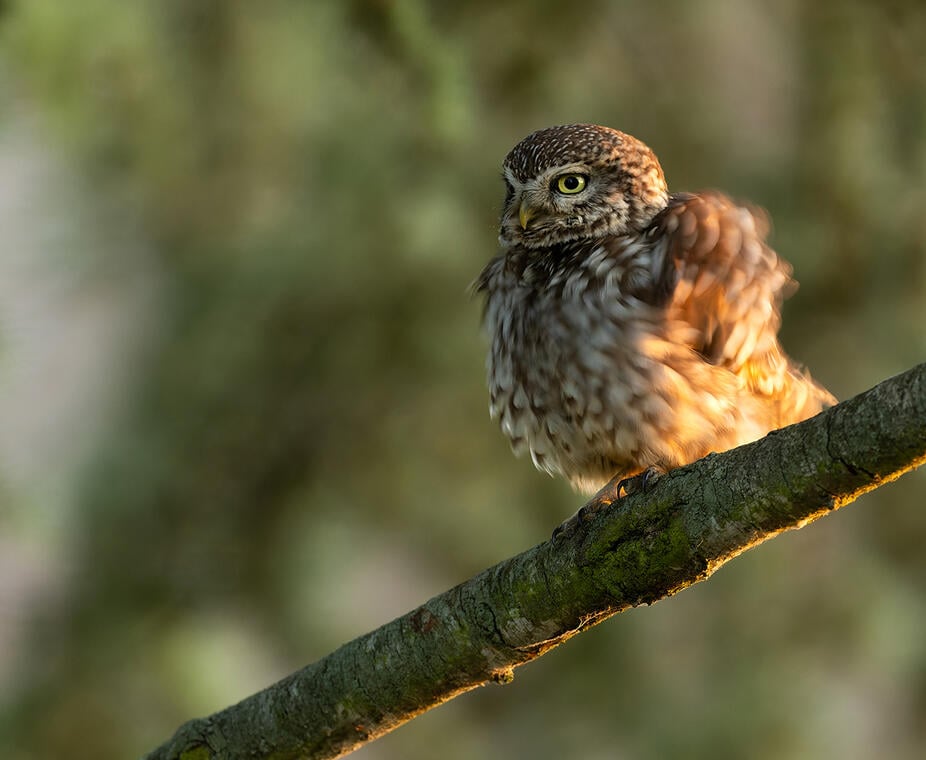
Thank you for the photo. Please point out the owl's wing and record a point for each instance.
(724, 285)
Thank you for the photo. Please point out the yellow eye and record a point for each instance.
(570, 184)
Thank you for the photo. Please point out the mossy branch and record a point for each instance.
(648, 547)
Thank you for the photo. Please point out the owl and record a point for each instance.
(631, 330)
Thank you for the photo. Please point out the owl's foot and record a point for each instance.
(639, 483)
(613, 491)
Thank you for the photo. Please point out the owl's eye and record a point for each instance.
(570, 184)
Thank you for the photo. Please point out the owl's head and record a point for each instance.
(579, 181)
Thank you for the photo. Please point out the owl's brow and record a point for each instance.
(563, 144)
(509, 177)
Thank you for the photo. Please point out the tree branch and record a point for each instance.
(647, 547)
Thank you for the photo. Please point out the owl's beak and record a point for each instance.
(525, 213)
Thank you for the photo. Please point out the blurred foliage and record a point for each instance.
(299, 194)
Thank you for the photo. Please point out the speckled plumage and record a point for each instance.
(630, 328)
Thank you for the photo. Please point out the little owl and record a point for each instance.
(631, 330)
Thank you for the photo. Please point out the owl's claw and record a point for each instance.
(569, 525)
(639, 483)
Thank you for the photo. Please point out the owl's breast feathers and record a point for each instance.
(654, 348)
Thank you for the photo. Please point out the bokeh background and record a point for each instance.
(242, 412)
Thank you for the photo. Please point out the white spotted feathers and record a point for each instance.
(630, 329)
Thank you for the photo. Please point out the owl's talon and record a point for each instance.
(639, 483)
(583, 515)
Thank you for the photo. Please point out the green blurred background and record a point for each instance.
(242, 411)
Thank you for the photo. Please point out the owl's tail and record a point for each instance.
(802, 397)
(781, 392)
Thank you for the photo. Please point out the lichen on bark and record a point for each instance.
(636, 551)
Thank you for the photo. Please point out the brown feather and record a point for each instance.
(646, 336)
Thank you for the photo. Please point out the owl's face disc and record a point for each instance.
(576, 182)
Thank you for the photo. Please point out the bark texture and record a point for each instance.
(645, 548)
